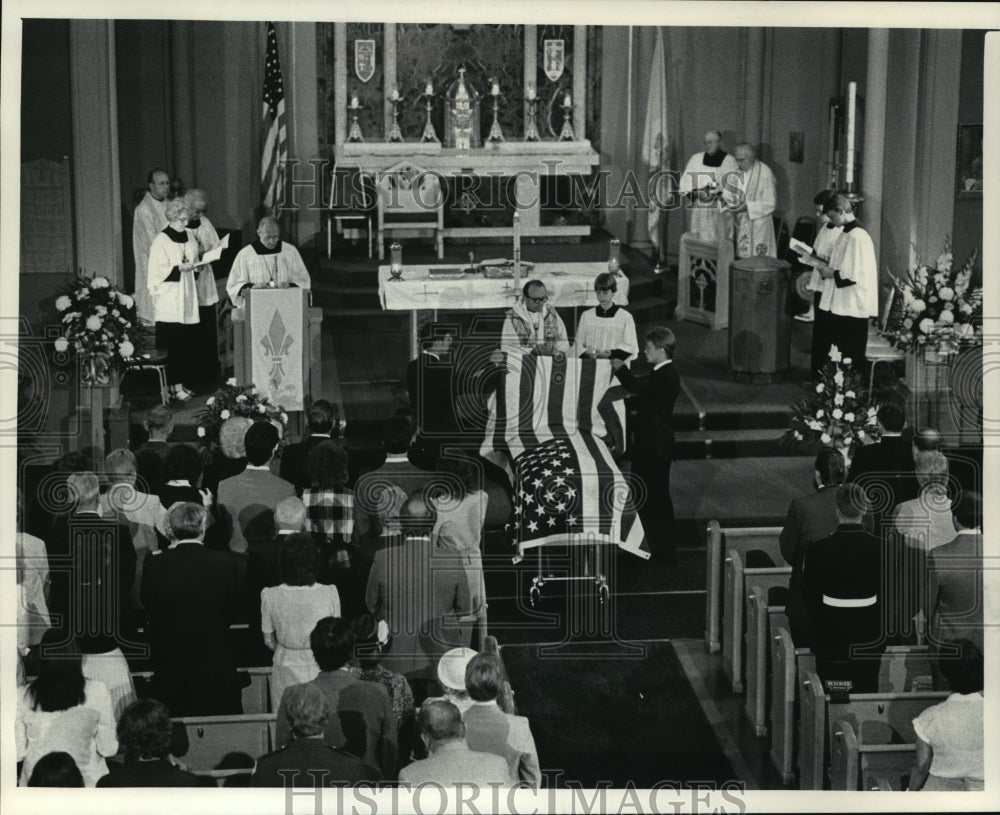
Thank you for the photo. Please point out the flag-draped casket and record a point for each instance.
(545, 429)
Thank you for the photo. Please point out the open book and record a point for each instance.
(807, 255)
(213, 255)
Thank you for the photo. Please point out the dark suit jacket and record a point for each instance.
(192, 595)
(92, 563)
(845, 566)
(810, 518)
(330, 767)
(372, 505)
(159, 773)
(295, 462)
(361, 720)
(956, 590)
(149, 463)
(431, 385)
(657, 392)
(891, 459)
(246, 506)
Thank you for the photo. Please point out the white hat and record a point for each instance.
(451, 668)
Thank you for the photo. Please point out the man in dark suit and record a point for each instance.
(810, 518)
(653, 451)
(955, 598)
(361, 720)
(887, 464)
(430, 381)
(295, 457)
(151, 457)
(308, 761)
(92, 564)
(842, 589)
(192, 595)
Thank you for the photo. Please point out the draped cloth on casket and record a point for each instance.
(544, 429)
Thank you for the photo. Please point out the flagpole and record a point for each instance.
(628, 138)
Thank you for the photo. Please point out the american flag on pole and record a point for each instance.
(544, 428)
(272, 168)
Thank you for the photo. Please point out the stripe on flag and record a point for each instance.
(275, 150)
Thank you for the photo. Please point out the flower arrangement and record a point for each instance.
(237, 400)
(836, 411)
(96, 319)
(940, 310)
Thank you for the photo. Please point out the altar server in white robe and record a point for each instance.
(268, 262)
(853, 269)
(751, 196)
(148, 221)
(173, 269)
(208, 292)
(826, 238)
(701, 184)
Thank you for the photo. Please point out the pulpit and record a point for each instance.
(276, 340)
(703, 281)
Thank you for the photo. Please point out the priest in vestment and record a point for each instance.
(148, 221)
(268, 262)
(701, 182)
(751, 196)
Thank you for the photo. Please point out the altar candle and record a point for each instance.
(394, 95)
(354, 101)
(852, 92)
(569, 101)
(429, 90)
(531, 91)
(833, 137)
(496, 88)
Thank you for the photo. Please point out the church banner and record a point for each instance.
(276, 345)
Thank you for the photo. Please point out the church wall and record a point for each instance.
(967, 229)
(46, 130)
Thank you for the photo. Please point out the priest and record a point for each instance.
(149, 220)
(701, 184)
(268, 262)
(751, 196)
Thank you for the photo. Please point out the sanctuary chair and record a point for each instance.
(410, 204)
(350, 207)
(878, 350)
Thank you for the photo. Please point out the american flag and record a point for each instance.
(272, 169)
(545, 429)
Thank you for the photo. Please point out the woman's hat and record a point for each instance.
(451, 668)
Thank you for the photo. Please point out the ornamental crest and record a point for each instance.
(555, 58)
(364, 59)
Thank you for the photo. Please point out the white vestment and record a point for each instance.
(708, 221)
(208, 239)
(256, 265)
(754, 225)
(149, 220)
(853, 259)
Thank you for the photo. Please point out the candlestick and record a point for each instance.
(852, 91)
(496, 132)
(495, 90)
(395, 134)
(531, 130)
(517, 250)
(567, 134)
(429, 134)
(354, 135)
(531, 91)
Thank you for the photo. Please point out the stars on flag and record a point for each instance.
(547, 491)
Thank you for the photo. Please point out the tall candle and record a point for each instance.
(394, 95)
(495, 91)
(833, 137)
(852, 92)
(531, 91)
(429, 90)
(354, 101)
(569, 100)
(517, 249)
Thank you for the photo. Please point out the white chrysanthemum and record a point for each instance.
(814, 425)
(848, 361)
(944, 262)
(947, 317)
(873, 411)
(917, 306)
(100, 311)
(62, 345)
(262, 408)
(819, 413)
(798, 436)
(850, 394)
(126, 349)
(825, 438)
(94, 323)
(224, 415)
(835, 354)
(83, 294)
(231, 380)
(838, 399)
(838, 378)
(926, 325)
(126, 300)
(849, 416)
(861, 434)
(837, 413)
(63, 303)
(201, 432)
(241, 398)
(820, 388)
(210, 401)
(947, 293)
(99, 283)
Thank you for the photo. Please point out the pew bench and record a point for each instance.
(878, 718)
(862, 761)
(765, 568)
(742, 539)
(763, 617)
(211, 738)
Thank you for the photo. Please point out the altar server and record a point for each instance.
(701, 183)
(751, 196)
(208, 292)
(268, 262)
(173, 269)
(607, 331)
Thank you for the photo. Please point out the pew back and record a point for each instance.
(210, 738)
(857, 765)
(762, 619)
(743, 539)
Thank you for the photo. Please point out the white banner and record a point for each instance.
(277, 344)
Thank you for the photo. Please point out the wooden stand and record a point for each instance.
(703, 281)
(288, 340)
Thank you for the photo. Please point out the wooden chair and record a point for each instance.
(878, 350)
(352, 201)
(735, 576)
(410, 204)
(153, 360)
(888, 719)
(720, 540)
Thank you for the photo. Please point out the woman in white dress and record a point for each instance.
(289, 613)
(62, 711)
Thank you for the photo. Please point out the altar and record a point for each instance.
(569, 285)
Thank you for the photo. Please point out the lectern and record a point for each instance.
(276, 343)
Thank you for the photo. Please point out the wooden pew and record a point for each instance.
(868, 762)
(743, 539)
(210, 738)
(734, 598)
(256, 695)
(762, 619)
(884, 713)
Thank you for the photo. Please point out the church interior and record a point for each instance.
(554, 151)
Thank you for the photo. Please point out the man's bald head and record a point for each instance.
(269, 231)
(158, 182)
(745, 155)
(290, 513)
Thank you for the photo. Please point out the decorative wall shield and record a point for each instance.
(555, 58)
(364, 59)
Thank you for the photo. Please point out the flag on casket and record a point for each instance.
(544, 427)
